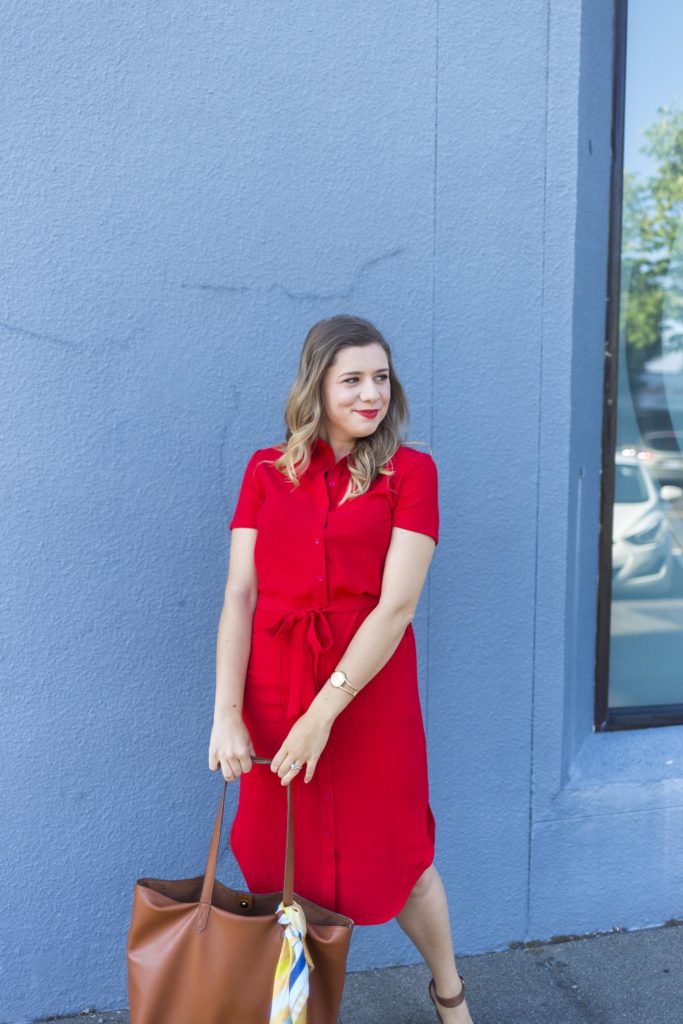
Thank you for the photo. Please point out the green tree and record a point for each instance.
(652, 219)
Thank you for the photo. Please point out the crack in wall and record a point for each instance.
(124, 342)
(52, 339)
(289, 292)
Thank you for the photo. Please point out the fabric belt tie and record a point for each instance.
(309, 635)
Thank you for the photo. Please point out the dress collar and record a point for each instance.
(322, 455)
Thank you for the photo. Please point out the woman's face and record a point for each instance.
(357, 382)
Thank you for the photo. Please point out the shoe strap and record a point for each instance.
(452, 1000)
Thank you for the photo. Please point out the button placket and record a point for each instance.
(319, 561)
(327, 844)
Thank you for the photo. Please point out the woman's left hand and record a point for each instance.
(304, 744)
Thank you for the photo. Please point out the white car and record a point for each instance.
(662, 454)
(642, 543)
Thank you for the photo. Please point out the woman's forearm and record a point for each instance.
(371, 646)
(233, 646)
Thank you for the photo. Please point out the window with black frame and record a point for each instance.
(640, 636)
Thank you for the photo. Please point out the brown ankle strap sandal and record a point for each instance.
(451, 1001)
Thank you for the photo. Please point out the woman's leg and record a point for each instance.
(425, 920)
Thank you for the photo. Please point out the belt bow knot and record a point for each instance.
(316, 637)
(307, 634)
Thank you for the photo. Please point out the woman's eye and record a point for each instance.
(380, 376)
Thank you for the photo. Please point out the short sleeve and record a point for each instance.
(250, 497)
(417, 504)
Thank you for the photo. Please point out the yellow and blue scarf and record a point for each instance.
(290, 987)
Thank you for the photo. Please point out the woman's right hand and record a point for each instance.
(230, 747)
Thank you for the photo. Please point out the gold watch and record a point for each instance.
(339, 680)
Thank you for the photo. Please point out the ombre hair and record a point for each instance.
(304, 411)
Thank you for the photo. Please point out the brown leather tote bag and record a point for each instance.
(199, 952)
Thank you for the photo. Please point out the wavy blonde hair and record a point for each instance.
(304, 411)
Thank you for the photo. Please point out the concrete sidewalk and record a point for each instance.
(614, 978)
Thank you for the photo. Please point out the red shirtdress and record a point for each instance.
(363, 826)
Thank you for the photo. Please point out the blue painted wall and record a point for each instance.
(187, 188)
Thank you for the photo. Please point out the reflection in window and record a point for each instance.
(629, 485)
(646, 613)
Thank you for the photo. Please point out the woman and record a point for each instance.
(332, 538)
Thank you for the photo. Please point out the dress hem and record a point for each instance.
(419, 869)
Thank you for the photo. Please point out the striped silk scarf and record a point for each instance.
(290, 987)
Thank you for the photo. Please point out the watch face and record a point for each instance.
(337, 678)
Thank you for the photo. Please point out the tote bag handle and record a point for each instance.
(210, 873)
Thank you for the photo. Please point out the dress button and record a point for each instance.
(332, 484)
(317, 540)
(320, 578)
